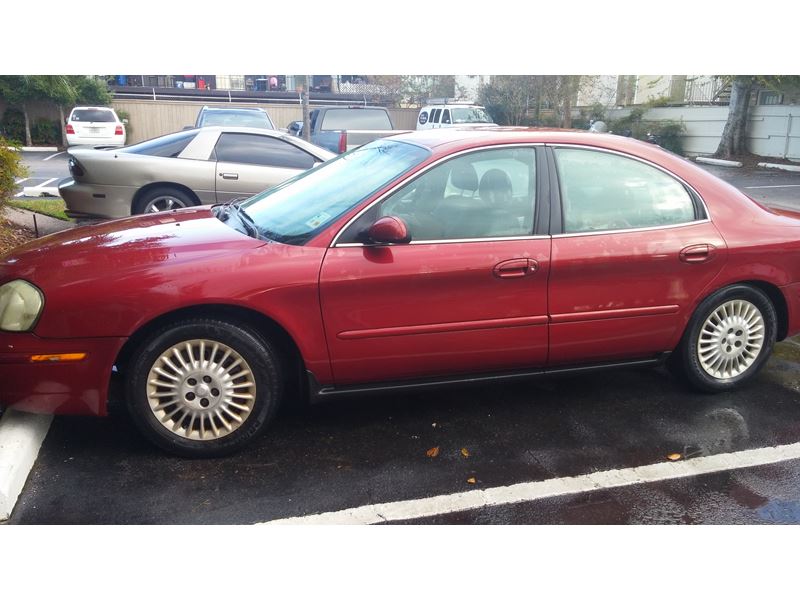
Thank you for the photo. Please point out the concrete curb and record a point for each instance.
(46, 225)
(35, 148)
(36, 192)
(21, 437)
(780, 167)
(718, 161)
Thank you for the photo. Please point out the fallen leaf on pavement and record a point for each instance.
(674, 456)
(433, 452)
(471, 480)
(465, 453)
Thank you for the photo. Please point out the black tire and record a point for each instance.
(259, 359)
(162, 195)
(685, 361)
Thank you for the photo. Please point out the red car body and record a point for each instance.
(359, 315)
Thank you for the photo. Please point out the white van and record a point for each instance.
(453, 114)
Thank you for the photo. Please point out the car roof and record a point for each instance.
(232, 108)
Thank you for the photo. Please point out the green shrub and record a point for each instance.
(11, 167)
(12, 126)
(669, 132)
(46, 133)
(123, 114)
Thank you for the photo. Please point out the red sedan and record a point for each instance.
(417, 260)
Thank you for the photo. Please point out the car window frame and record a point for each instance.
(702, 215)
(542, 199)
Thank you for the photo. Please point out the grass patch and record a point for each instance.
(52, 207)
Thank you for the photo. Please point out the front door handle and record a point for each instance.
(229, 175)
(515, 268)
(697, 254)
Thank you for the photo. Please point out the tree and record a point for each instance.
(18, 91)
(509, 97)
(734, 135)
(62, 90)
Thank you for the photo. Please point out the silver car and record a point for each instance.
(198, 166)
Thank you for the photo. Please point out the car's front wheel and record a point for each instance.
(728, 340)
(203, 387)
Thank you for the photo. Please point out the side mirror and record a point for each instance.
(388, 230)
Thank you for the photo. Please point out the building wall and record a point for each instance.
(772, 131)
(471, 85)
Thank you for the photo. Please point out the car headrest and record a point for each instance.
(465, 177)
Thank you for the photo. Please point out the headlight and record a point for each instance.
(20, 305)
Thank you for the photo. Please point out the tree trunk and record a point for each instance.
(734, 140)
(28, 141)
(62, 127)
(306, 117)
(566, 87)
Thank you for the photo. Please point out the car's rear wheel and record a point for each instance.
(728, 340)
(160, 199)
(203, 387)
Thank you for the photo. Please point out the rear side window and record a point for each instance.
(92, 115)
(604, 192)
(435, 115)
(168, 145)
(446, 117)
(261, 150)
(355, 118)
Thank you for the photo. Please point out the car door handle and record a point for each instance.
(515, 268)
(229, 175)
(697, 253)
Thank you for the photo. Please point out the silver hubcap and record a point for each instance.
(731, 339)
(201, 390)
(162, 203)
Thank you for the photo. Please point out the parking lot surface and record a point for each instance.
(376, 450)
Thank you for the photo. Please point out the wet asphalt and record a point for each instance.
(373, 450)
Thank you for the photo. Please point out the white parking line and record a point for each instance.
(536, 490)
(46, 183)
(18, 181)
(52, 155)
(766, 187)
(21, 436)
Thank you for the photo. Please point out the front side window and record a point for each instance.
(261, 150)
(605, 192)
(485, 194)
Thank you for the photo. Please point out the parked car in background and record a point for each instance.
(453, 114)
(94, 126)
(424, 259)
(342, 128)
(198, 166)
(210, 116)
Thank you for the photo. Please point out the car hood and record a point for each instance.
(87, 252)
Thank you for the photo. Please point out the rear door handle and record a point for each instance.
(229, 175)
(697, 254)
(515, 268)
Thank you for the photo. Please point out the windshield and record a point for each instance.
(298, 209)
(471, 115)
(170, 145)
